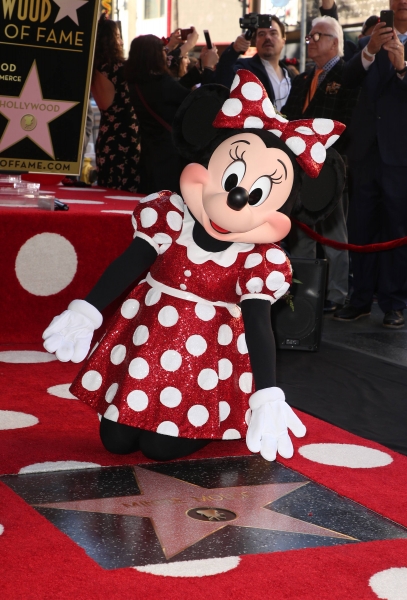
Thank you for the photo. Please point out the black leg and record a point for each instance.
(118, 438)
(165, 447)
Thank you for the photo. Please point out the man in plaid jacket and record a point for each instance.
(320, 93)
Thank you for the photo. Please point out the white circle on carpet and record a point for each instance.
(46, 264)
(346, 455)
(59, 465)
(61, 391)
(26, 356)
(390, 584)
(1, 529)
(10, 419)
(193, 568)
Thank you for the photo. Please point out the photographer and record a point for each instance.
(378, 161)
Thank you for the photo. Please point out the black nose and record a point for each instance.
(238, 197)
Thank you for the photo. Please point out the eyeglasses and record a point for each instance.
(316, 36)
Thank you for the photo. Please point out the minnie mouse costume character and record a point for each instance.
(190, 355)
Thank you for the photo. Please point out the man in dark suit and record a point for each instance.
(320, 93)
(378, 161)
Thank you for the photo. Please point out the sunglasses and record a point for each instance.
(316, 36)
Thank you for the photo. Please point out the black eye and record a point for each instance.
(259, 191)
(233, 175)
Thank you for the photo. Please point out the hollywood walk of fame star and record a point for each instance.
(68, 8)
(29, 114)
(166, 501)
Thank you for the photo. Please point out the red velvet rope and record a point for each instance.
(352, 247)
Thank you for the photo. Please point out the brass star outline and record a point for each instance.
(166, 501)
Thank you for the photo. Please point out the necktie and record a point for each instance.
(312, 88)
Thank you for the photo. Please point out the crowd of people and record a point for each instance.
(362, 85)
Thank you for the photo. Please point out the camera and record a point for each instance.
(253, 21)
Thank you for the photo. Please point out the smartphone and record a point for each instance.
(387, 16)
(185, 33)
(208, 39)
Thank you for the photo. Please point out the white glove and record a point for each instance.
(70, 334)
(271, 417)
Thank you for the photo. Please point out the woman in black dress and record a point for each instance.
(118, 142)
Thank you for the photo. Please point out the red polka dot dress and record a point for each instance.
(174, 359)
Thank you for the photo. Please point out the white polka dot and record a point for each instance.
(196, 345)
(152, 297)
(304, 130)
(168, 428)
(187, 273)
(296, 144)
(275, 256)
(232, 107)
(231, 434)
(148, 217)
(130, 308)
(253, 260)
(198, 415)
(205, 312)
(192, 568)
(275, 280)
(177, 201)
(111, 392)
(318, 153)
(112, 413)
(118, 354)
(10, 419)
(245, 382)
(225, 335)
(390, 584)
(26, 356)
(174, 220)
(162, 238)
(137, 400)
(282, 290)
(268, 108)
(58, 465)
(276, 132)
(168, 316)
(252, 91)
(248, 416)
(241, 344)
(238, 288)
(253, 123)
(346, 455)
(138, 368)
(208, 379)
(170, 397)
(224, 410)
(255, 285)
(234, 310)
(141, 335)
(149, 198)
(225, 368)
(331, 140)
(91, 381)
(235, 83)
(171, 360)
(183, 286)
(61, 391)
(323, 126)
(46, 264)
(1, 529)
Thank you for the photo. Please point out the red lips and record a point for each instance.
(217, 228)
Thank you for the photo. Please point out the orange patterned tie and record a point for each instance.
(312, 88)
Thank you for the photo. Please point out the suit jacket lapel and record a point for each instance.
(261, 73)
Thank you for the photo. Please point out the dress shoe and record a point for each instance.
(393, 319)
(351, 313)
(330, 307)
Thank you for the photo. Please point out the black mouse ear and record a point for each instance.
(192, 129)
(320, 195)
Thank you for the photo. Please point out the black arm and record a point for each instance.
(121, 273)
(260, 342)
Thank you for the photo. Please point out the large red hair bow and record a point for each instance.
(249, 107)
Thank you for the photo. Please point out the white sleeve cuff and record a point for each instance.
(88, 310)
(266, 395)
